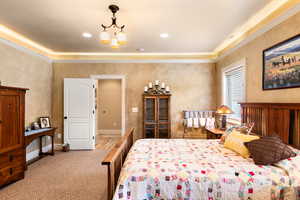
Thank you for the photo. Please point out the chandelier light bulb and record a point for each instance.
(114, 43)
(104, 37)
(121, 37)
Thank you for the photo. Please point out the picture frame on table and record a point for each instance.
(45, 122)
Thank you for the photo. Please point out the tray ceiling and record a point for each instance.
(193, 26)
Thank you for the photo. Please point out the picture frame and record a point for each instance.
(281, 65)
(45, 122)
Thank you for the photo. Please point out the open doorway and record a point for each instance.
(110, 118)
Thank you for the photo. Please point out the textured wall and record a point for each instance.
(21, 69)
(192, 85)
(253, 54)
(109, 105)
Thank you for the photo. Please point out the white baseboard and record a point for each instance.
(34, 154)
(108, 132)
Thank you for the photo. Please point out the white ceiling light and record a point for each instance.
(87, 35)
(119, 37)
(164, 35)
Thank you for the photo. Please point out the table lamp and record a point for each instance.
(223, 111)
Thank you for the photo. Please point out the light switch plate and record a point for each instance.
(135, 109)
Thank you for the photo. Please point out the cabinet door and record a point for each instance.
(150, 110)
(163, 127)
(150, 130)
(10, 133)
(163, 109)
(163, 130)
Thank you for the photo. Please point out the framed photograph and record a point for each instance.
(45, 122)
(281, 65)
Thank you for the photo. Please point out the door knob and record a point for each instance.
(65, 117)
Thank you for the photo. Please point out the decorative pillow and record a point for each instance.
(269, 150)
(227, 132)
(235, 141)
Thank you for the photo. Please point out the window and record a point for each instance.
(234, 88)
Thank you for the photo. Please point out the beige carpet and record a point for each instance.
(66, 176)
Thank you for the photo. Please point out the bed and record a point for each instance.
(201, 169)
(183, 169)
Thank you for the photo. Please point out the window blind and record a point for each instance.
(235, 90)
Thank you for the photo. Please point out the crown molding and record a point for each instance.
(256, 25)
(17, 38)
(261, 31)
(133, 57)
(25, 50)
(269, 13)
(138, 61)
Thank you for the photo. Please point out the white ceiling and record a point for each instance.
(193, 26)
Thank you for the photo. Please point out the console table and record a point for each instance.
(34, 134)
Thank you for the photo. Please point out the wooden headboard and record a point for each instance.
(282, 119)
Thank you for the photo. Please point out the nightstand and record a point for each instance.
(214, 133)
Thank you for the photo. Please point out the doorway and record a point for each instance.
(110, 103)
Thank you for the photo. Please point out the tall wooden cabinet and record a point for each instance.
(12, 122)
(157, 121)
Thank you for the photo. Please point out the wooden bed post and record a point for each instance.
(114, 161)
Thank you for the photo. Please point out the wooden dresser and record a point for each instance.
(12, 122)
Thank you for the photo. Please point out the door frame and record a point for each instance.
(123, 89)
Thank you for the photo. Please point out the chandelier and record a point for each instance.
(119, 36)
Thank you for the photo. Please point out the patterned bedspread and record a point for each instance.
(180, 169)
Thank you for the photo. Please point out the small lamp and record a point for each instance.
(224, 110)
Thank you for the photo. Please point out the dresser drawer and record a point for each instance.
(12, 173)
(11, 157)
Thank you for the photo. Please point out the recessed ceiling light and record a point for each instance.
(164, 35)
(87, 35)
(141, 49)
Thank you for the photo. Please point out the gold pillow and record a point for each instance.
(235, 142)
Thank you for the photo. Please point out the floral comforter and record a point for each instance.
(180, 169)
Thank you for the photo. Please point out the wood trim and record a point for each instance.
(12, 88)
(274, 105)
(114, 161)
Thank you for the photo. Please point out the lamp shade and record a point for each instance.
(104, 37)
(224, 110)
(121, 37)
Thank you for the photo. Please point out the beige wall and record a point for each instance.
(253, 54)
(20, 69)
(109, 105)
(192, 85)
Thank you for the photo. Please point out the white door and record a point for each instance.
(79, 113)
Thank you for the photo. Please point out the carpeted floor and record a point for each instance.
(75, 175)
(106, 142)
